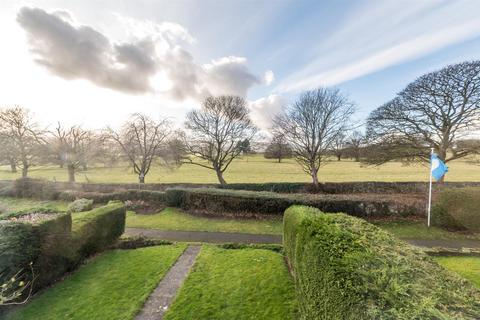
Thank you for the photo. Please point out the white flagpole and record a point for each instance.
(430, 190)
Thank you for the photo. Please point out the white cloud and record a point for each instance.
(268, 77)
(263, 110)
(153, 54)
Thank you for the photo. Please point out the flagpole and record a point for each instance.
(430, 190)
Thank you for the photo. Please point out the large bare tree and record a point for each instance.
(312, 124)
(437, 110)
(353, 145)
(73, 144)
(141, 138)
(217, 132)
(22, 136)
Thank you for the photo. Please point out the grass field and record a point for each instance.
(467, 267)
(8, 204)
(418, 230)
(113, 286)
(256, 169)
(174, 219)
(236, 284)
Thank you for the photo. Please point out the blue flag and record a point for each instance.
(438, 168)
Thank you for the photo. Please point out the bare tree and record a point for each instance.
(338, 146)
(8, 155)
(73, 144)
(140, 139)
(353, 145)
(311, 125)
(278, 148)
(22, 135)
(216, 131)
(435, 111)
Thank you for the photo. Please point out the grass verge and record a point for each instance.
(406, 229)
(236, 284)
(113, 286)
(467, 267)
(174, 219)
(9, 205)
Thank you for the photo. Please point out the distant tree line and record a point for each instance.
(439, 110)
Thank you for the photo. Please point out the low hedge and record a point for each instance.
(220, 202)
(346, 268)
(97, 197)
(95, 230)
(457, 209)
(46, 244)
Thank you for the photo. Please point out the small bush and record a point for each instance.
(80, 205)
(346, 268)
(457, 208)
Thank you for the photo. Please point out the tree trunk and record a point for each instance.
(141, 178)
(279, 160)
(71, 173)
(220, 177)
(339, 157)
(13, 166)
(24, 169)
(315, 178)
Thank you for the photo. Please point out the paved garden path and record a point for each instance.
(159, 301)
(223, 237)
(203, 236)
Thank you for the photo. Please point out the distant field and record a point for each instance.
(256, 169)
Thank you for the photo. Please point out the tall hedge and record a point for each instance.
(220, 201)
(346, 268)
(94, 230)
(457, 208)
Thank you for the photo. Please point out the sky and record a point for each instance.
(93, 63)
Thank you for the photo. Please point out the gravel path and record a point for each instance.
(202, 236)
(161, 298)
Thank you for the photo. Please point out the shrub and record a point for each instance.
(220, 202)
(80, 205)
(97, 197)
(457, 208)
(95, 230)
(346, 268)
(34, 188)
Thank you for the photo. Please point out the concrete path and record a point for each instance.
(161, 298)
(202, 236)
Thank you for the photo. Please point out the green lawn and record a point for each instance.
(113, 286)
(8, 204)
(174, 219)
(256, 169)
(418, 230)
(236, 284)
(468, 267)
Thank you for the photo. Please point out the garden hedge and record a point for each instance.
(346, 268)
(457, 209)
(95, 230)
(58, 243)
(98, 197)
(239, 202)
(46, 244)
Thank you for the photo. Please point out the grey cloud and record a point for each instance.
(75, 51)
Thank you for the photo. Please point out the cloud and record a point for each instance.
(152, 51)
(369, 42)
(263, 110)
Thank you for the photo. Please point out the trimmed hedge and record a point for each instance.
(45, 243)
(56, 244)
(95, 230)
(346, 268)
(457, 209)
(97, 197)
(219, 202)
